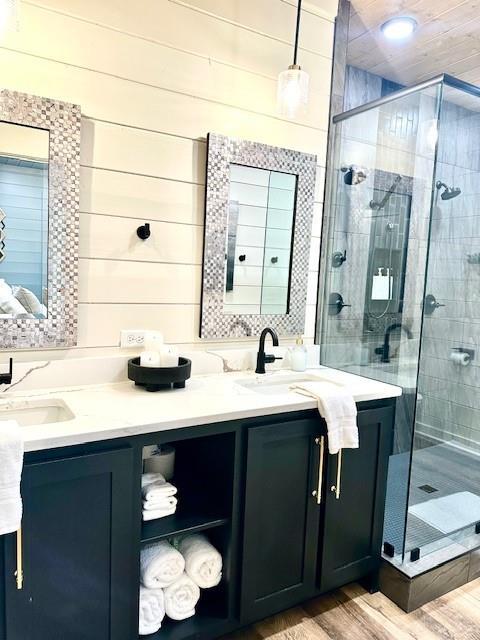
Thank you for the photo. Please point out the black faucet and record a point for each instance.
(384, 350)
(262, 357)
(6, 378)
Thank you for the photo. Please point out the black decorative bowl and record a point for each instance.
(157, 378)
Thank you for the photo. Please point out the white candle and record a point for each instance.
(168, 356)
(150, 359)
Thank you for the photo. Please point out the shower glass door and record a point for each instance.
(444, 494)
(401, 267)
(374, 256)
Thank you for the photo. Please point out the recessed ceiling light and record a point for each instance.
(399, 28)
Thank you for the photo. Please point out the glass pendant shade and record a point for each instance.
(292, 92)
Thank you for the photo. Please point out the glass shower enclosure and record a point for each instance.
(401, 267)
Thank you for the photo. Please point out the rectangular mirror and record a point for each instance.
(39, 202)
(260, 202)
(23, 221)
(261, 213)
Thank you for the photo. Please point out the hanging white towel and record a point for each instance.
(160, 565)
(181, 598)
(11, 463)
(151, 611)
(203, 563)
(339, 410)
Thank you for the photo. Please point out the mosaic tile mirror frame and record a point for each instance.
(48, 310)
(280, 259)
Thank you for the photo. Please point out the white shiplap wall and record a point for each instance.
(153, 78)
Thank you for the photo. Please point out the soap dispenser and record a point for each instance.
(298, 356)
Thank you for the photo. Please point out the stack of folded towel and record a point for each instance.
(158, 497)
(171, 579)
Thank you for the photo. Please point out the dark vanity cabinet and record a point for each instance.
(354, 502)
(79, 563)
(310, 524)
(281, 516)
(289, 522)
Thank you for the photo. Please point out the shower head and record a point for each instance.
(449, 192)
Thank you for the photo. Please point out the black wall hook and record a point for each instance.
(144, 232)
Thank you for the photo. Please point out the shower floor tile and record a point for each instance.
(443, 467)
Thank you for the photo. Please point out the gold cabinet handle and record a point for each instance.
(336, 487)
(19, 571)
(320, 441)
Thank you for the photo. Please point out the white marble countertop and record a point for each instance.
(107, 411)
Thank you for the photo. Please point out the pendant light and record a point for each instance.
(292, 88)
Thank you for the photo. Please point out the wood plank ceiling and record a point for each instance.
(447, 39)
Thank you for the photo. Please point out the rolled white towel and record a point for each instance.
(160, 565)
(163, 503)
(151, 611)
(203, 563)
(181, 598)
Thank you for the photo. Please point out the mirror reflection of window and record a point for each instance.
(24, 221)
(259, 240)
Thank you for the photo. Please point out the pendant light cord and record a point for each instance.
(297, 31)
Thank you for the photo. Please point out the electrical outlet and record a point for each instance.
(131, 338)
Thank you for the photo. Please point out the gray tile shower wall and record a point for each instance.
(451, 407)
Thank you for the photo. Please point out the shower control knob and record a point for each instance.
(336, 304)
(431, 304)
(339, 258)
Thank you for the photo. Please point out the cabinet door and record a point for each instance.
(78, 553)
(281, 517)
(354, 507)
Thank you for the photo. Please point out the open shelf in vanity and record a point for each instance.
(204, 474)
(179, 524)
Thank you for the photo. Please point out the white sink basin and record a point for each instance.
(35, 412)
(273, 384)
